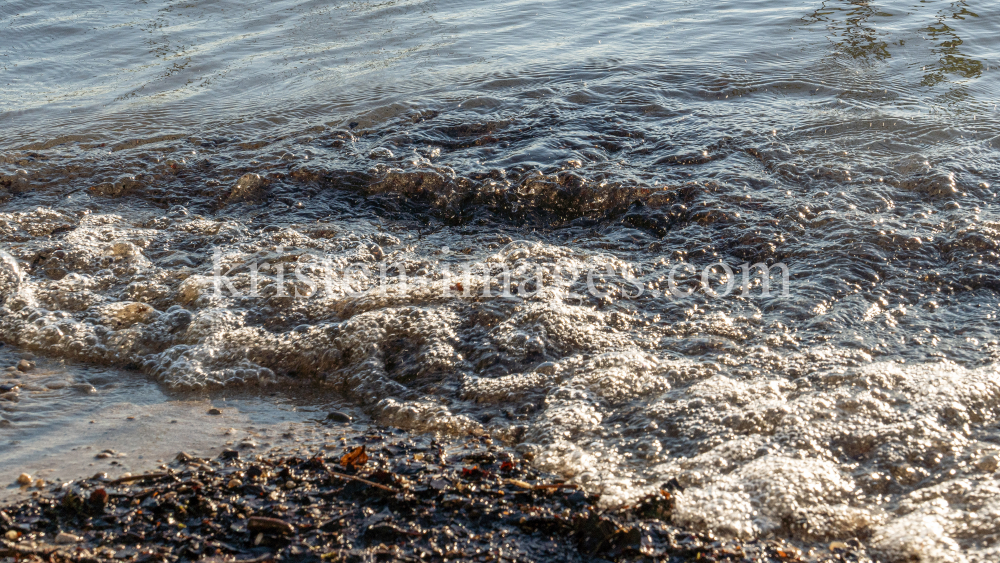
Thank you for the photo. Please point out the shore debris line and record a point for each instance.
(378, 497)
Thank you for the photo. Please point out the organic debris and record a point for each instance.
(355, 459)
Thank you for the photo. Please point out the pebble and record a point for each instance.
(338, 417)
(290, 485)
(214, 412)
(263, 524)
(12, 535)
(235, 483)
(39, 483)
(184, 456)
(63, 538)
(988, 463)
(25, 365)
(24, 479)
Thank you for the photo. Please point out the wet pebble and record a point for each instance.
(336, 416)
(266, 525)
(24, 479)
(25, 366)
(85, 388)
(380, 153)
(214, 412)
(64, 539)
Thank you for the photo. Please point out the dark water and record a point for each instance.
(853, 142)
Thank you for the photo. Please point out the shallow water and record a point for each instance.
(854, 142)
(67, 420)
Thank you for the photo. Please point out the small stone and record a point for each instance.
(184, 456)
(380, 152)
(988, 463)
(25, 365)
(39, 483)
(214, 412)
(234, 484)
(290, 484)
(62, 538)
(11, 535)
(263, 524)
(338, 417)
(546, 368)
(834, 546)
(249, 188)
(24, 479)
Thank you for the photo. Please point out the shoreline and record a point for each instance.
(375, 495)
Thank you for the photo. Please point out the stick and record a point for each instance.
(365, 481)
(138, 478)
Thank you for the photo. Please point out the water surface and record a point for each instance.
(854, 142)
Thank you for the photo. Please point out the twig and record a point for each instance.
(365, 481)
(138, 478)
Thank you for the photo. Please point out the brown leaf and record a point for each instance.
(355, 458)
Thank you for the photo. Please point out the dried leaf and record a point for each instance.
(355, 458)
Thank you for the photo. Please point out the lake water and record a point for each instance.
(147, 146)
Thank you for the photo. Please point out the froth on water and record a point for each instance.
(591, 172)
